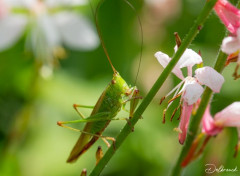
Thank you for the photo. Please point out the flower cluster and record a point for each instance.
(228, 117)
(192, 85)
(192, 89)
(230, 16)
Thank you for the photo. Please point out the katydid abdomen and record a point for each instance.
(111, 102)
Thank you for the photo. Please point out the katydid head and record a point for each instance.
(120, 84)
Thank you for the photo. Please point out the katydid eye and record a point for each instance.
(128, 93)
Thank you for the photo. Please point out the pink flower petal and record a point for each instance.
(209, 77)
(183, 125)
(11, 29)
(57, 3)
(21, 3)
(50, 31)
(208, 124)
(164, 59)
(77, 32)
(230, 116)
(4, 9)
(192, 91)
(189, 59)
(230, 45)
(229, 15)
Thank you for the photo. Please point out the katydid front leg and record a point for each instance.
(134, 100)
(104, 138)
(75, 106)
(94, 118)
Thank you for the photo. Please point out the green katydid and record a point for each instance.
(112, 100)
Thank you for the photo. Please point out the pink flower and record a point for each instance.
(192, 86)
(228, 117)
(231, 45)
(229, 15)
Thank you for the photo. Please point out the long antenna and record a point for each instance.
(141, 30)
(102, 42)
(100, 34)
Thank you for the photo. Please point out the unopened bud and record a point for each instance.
(84, 172)
(99, 154)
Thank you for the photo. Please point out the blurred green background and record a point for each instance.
(31, 143)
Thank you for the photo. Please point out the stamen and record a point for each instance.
(179, 118)
(174, 98)
(175, 88)
(232, 58)
(178, 130)
(237, 147)
(174, 112)
(199, 53)
(235, 74)
(59, 52)
(164, 116)
(162, 99)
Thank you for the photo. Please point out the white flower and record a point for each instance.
(192, 88)
(231, 44)
(48, 31)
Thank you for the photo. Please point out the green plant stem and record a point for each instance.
(146, 101)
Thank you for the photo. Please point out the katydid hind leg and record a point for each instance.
(104, 138)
